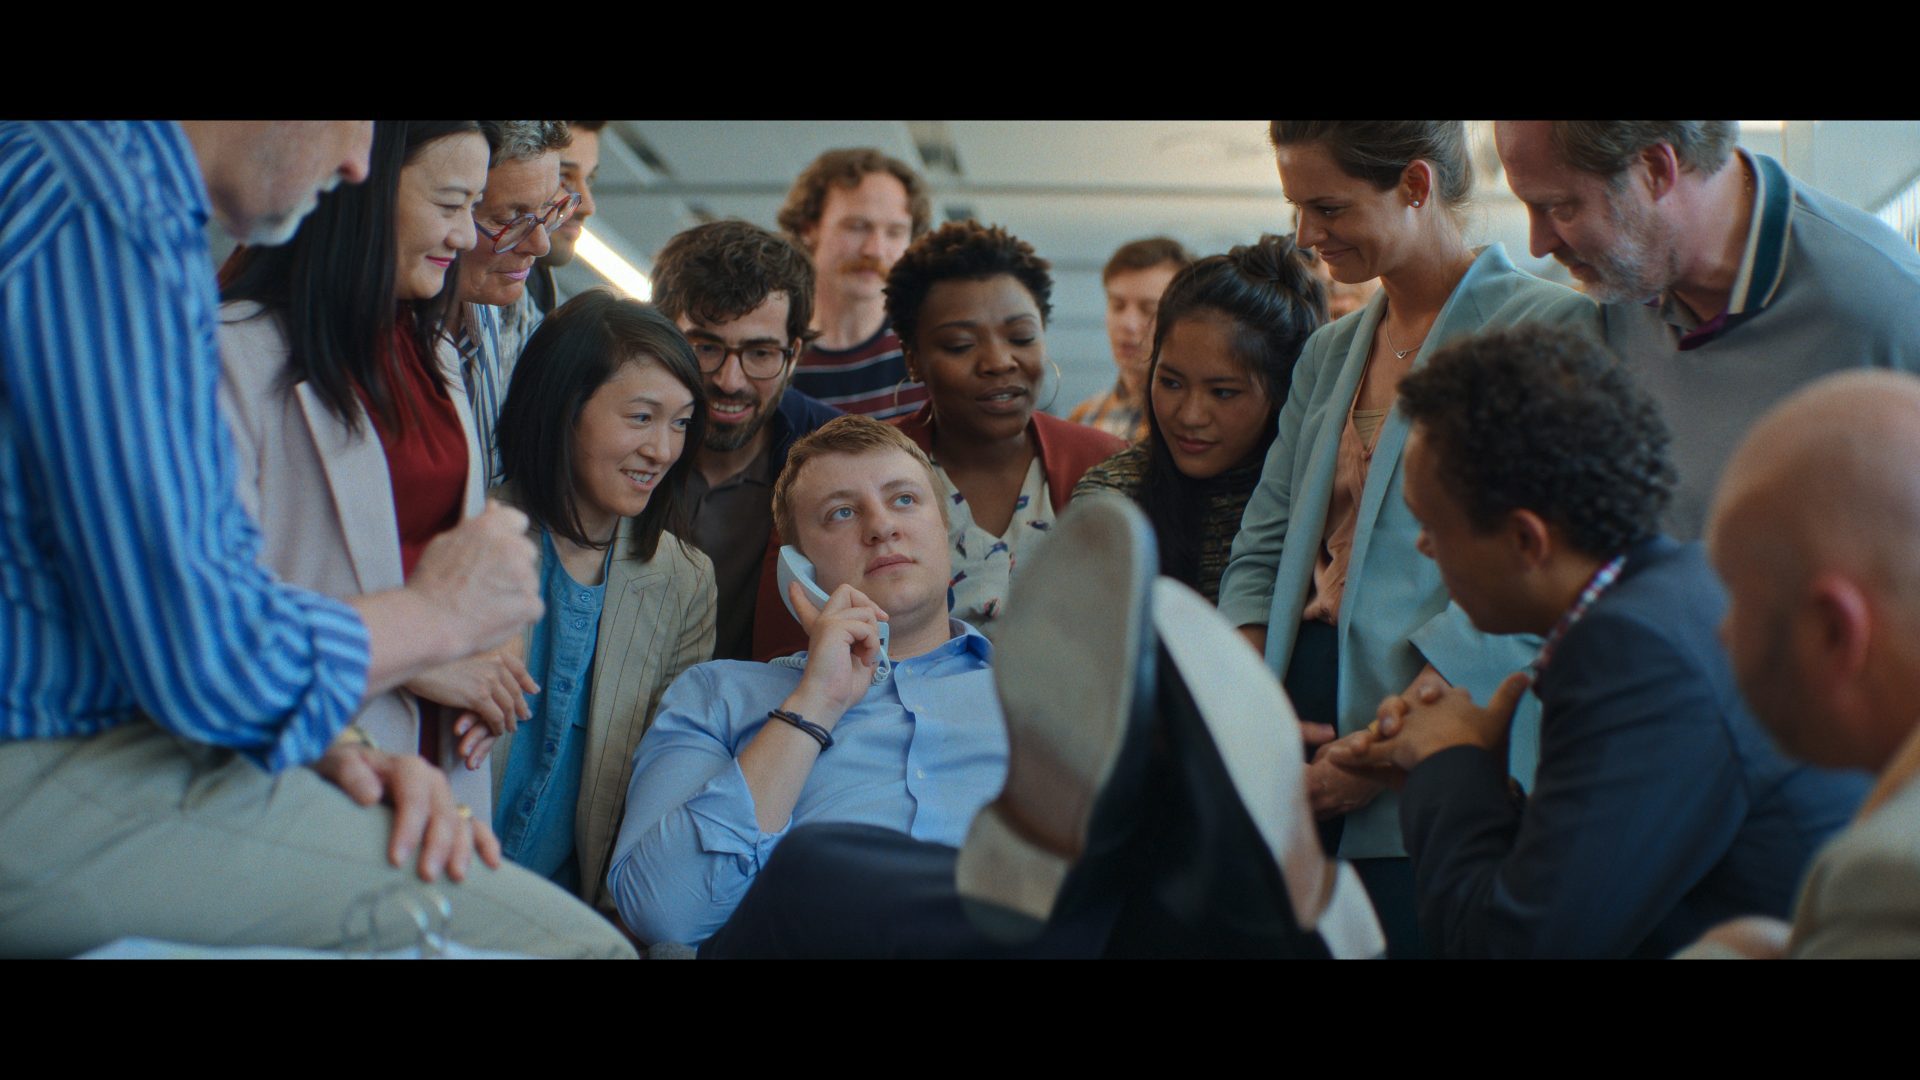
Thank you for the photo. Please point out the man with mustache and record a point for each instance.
(742, 295)
(1725, 283)
(855, 212)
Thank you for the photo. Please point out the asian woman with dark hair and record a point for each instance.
(594, 438)
(1227, 333)
(355, 441)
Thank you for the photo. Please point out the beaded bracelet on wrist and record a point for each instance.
(820, 734)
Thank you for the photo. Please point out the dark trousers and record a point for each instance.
(1187, 876)
(864, 892)
(1313, 685)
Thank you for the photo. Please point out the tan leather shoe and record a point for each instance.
(1074, 665)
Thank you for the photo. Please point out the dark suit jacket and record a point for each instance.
(1660, 807)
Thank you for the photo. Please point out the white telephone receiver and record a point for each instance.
(793, 567)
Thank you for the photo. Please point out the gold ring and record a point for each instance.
(466, 811)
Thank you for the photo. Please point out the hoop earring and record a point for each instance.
(897, 388)
(1058, 376)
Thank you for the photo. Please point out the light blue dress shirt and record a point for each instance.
(921, 754)
(541, 787)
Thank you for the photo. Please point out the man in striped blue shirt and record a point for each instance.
(157, 687)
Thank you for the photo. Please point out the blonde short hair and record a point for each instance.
(849, 434)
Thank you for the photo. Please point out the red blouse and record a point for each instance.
(427, 462)
(426, 450)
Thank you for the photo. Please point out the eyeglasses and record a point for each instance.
(760, 361)
(508, 236)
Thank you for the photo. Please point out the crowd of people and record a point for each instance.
(1585, 618)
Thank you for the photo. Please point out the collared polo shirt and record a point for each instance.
(731, 523)
(1823, 287)
(1762, 262)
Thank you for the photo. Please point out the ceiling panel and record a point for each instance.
(1083, 229)
(1231, 154)
(1077, 190)
(770, 152)
(1864, 162)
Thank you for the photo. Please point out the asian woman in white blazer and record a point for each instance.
(355, 440)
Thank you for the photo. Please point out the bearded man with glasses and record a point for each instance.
(744, 298)
(523, 204)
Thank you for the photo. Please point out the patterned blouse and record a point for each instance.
(983, 563)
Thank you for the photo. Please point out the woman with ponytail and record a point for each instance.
(1326, 576)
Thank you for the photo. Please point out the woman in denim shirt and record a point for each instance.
(593, 436)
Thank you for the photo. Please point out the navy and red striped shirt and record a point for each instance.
(869, 379)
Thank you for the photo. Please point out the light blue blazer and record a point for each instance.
(1395, 616)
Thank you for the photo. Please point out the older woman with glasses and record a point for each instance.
(524, 200)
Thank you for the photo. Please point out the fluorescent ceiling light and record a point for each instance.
(1762, 125)
(608, 264)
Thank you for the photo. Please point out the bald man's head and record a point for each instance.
(1816, 531)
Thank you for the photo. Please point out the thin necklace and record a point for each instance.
(1398, 353)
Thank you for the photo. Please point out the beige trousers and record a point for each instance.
(135, 832)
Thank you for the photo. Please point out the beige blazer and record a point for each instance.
(1861, 899)
(658, 621)
(324, 501)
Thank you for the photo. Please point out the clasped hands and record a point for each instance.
(490, 688)
(475, 587)
(1426, 719)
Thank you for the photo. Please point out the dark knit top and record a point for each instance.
(1225, 496)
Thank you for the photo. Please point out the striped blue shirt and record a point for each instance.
(129, 580)
(488, 370)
